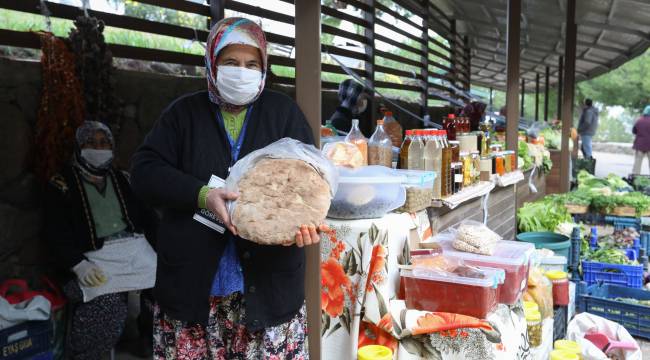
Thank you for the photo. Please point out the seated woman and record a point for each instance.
(93, 224)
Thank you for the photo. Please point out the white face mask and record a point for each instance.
(238, 85)
(97, 158)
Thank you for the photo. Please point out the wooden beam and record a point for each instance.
(523, 97)
(547, 80)
(512, 83)
(424, 72)
(568, 96)
(560, 86)
(537, 97)
(217, 8)
(308, 96)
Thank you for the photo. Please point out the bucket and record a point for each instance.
(560, 244)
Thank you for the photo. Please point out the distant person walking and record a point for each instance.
(642, 140)
(587, 127)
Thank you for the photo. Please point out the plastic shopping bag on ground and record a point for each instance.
(586, 323)
(279, 196)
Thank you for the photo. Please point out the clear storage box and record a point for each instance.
(430, 291)
(511, 256)
(366, 193)
(419, 190)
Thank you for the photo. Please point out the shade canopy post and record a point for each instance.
(568, 94)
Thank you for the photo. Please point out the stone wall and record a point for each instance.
(144, 96)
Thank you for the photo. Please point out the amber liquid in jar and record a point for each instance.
(500, 164)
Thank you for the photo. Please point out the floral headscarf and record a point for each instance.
(85, 133)
(226, 32)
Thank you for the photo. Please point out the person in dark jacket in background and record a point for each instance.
(353, 101)
(587, 127)
(87, 206)
(641, 145)
(219, 296)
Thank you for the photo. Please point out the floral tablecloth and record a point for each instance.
(359, 284)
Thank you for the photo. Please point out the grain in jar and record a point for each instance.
(486, 168)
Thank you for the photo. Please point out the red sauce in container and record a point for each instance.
(460, 295)
(560, 282)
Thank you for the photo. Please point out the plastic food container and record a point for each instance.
(511, 256)
(530, 306)
(560, 282)
(534, 327)
(366, 193)
(374, 352)
(568, 345)
(430, 291)
(563, 355)
(419, 189)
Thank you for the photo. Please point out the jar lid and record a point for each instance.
(533, 315)
(530, 306)
(374, 352)
(474, 152)
(556, 275)
(454, 142)
(568, 345)
(463, 153)
(563, 355)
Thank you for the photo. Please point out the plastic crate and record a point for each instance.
(621, 222)
(624, 275)
(599, 300)
(25, 340)
(44, 356)
(560, 314)
(589, 218)
(645, 241)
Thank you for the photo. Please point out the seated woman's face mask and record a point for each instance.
(238, 85)
(96, 157)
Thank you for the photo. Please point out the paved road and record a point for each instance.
(619, 164)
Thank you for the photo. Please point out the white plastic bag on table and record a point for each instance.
(285, 148)
(587, 323)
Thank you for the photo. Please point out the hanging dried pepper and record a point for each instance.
(61, 109)
(94, 63)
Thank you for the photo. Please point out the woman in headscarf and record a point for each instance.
(219, 296)
(93, 223)
(642, 140)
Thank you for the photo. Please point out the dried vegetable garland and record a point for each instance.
(61, 109)
(94, 68)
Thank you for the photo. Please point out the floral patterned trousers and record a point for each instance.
(225, 336)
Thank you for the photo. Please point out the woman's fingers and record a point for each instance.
(323, 228)
(315, 238)
(299, 240)
(306, 236)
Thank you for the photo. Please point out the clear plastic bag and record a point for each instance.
(471, 236)
(281, 224)
(344, 154)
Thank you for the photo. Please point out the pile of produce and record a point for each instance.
(639, 201)
(620, 238)
(609, 256)
(543, 215)
(552, 138)
(582, 197)
(641, 183)
(535, 155)
(605, 186)
(634, 301)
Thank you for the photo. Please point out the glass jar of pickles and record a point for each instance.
(507, 160)
(534, 327)
(468, 165)
(476, 166)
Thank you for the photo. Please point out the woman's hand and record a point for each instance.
(307, 235)
(216, 203)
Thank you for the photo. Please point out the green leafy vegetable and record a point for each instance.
(552, 138)
(639, 201)
(543, 215)
(641, 182)
(609, 256)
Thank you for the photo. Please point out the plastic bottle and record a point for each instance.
(393, 129)
(416, 152)
(451, 127)
(429, 150)
(380, 147)
(445, 167)
(404, 150)
(437, 164)
(356, 137)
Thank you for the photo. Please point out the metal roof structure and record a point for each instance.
(610, 33)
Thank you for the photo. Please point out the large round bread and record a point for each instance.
(276, 197)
